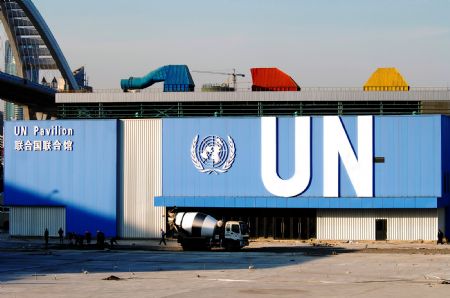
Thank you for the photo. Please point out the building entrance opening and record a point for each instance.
(295, 227)
(268, 223)
(381, 229)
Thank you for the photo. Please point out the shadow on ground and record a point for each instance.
(21, 261)
(31, 263)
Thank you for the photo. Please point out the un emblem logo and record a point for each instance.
(213, 154)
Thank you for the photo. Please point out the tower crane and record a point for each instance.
(233, 74)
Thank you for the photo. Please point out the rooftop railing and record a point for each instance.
(249, 89)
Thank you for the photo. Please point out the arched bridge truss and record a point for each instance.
(33, 44)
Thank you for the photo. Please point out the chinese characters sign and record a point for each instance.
(48, 144)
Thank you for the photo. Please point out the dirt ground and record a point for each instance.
(265, 269)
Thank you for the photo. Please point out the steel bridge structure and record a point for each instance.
(34, 49)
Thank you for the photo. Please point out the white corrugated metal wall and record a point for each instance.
(32, 221)
(140, 178)
(359, 224)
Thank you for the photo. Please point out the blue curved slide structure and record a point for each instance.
(176, 78)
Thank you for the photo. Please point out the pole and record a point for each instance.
(234, 80)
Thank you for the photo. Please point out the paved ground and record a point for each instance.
(266, 269)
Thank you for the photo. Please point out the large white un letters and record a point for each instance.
(359, 166)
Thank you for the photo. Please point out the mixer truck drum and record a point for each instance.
(196, 224)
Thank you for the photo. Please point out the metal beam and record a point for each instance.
(25, 92)
(50, 41)
(25, 27)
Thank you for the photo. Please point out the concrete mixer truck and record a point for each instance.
(197, 230)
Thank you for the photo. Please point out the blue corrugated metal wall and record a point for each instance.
(82, 180)
(411, 146)
(410, 177)
(416, 150)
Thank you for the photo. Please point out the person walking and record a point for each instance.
(163, 237)
(440, 237)
(46, 238)
(100, 240)
(88, 237)
(61, 235)
(113, 241)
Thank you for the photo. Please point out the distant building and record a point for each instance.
(12, 111)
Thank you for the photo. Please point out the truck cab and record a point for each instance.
(236, 235)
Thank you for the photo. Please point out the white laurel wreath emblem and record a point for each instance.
(194, 158)
(226, 166)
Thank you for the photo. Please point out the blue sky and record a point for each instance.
(320, 43)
